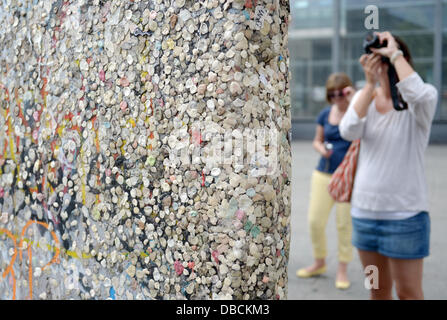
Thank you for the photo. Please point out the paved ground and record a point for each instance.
(435, 271)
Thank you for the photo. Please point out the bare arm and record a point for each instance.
(318, 142)
(365, 98)
(351, 126)
(371, 66)
(403, 68)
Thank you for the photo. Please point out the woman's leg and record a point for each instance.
(345, 248)
(407, 273)
(411, 238)
(320, 207)
(385, 288)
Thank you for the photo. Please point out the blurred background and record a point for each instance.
(326, 36)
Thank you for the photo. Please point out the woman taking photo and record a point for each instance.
(391, 225)
(332, 148)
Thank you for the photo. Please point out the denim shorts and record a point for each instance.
(401, 239)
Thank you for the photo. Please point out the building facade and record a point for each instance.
(326, 36)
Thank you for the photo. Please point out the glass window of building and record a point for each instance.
(311, 44)
(310, 55)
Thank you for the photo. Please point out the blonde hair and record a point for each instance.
(337, 81)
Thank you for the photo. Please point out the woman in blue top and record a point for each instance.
(332, 148)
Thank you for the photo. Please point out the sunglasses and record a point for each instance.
(336, 94)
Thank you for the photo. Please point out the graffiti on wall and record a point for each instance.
(95, 97)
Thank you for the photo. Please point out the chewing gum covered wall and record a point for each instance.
(144, 149)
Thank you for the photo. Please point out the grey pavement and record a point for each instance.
(304, 160)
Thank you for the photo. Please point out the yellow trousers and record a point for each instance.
(321, 204)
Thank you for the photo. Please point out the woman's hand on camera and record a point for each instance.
(391, 47)
(371, 64)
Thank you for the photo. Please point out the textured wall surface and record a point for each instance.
(144, 149)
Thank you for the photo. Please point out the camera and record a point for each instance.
(373, 41)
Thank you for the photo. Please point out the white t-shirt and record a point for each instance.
(390, 175)
(382, 215)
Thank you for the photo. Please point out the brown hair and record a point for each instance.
(403, 46)
(337, 81)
